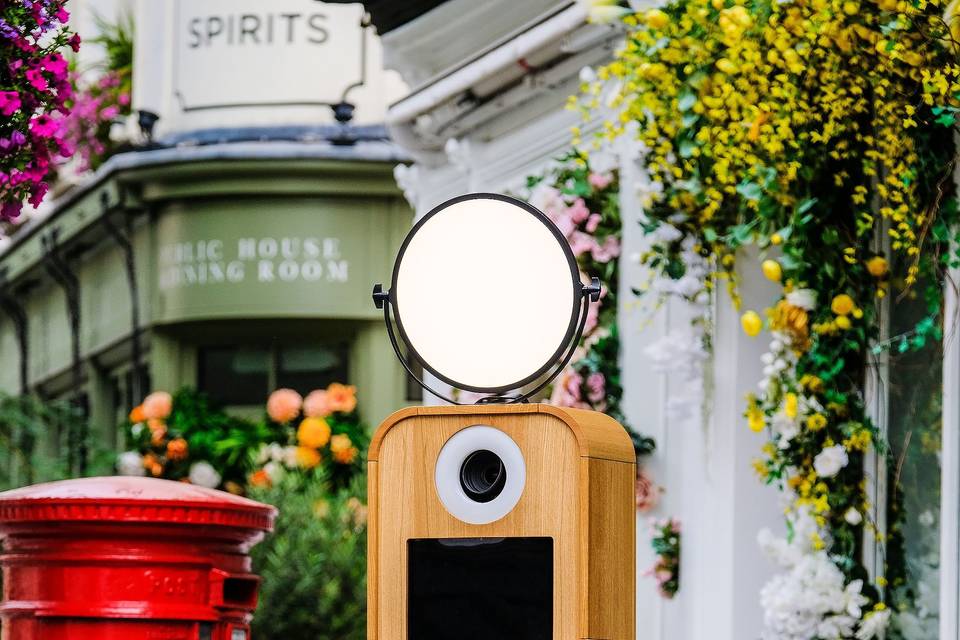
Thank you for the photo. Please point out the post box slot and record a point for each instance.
(239, 591)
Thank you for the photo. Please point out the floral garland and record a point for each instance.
(665, 540)
(33, 87)
(583, 201)
(814, 131)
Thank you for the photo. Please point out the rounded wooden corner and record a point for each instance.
(373, 453)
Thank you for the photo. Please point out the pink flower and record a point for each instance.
(36, 79)
(283, 405)
(581, 243)
(9, 102)
(579, 211)
(43, 126)
(157, 406)
(648, 493)
(608, 251)
(315, 405)
(10, 210)
(596, 387)
(37, 194)
(599, 180)
(57, 65)
(566, 392)
(109, 113)
(74, 42)
(62, 15)
(593, 222)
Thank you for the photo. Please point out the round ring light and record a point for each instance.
(456, 457)
(486, 293)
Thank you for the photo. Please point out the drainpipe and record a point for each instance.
(402, 116)
(12, 307)
(60, 271)
(124, 239)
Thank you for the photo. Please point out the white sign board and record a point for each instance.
(254, 53)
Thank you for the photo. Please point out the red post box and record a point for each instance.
(128, 559)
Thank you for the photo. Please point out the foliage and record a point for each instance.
(816, 133)
(314, 563)
(666, 544)
(33, 87)
(584, 203)
(99, 105)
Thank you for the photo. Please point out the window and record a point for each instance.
(245, 375)
(235, 375)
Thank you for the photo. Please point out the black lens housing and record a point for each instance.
(483, 475)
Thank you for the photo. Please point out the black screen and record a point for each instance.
(480, 589)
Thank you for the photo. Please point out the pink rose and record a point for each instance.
(648, 493)
(596, 387)
(283, 405)
(599, 180)
(593, 222)
(578, 211)
(581, 243)
(316, 405)
(608, 251)
(157, 406)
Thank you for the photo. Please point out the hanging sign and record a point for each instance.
(236, 53)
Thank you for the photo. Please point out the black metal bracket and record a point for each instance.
(124, 239)
(588, 293)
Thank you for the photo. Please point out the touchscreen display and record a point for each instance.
(480, 589)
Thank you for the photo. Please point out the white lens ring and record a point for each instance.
(447, 474)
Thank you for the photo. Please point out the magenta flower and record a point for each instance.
(43, 126)
(36, 79)
(10, 210)
(9, 102)
(74, 42)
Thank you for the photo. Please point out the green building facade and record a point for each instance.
(235, 268)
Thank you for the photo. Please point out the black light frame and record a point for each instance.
(582, 296)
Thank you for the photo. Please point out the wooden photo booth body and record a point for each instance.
(568, 539)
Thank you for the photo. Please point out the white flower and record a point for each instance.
(203, 474)
(587, 75)
(290, 457)
(274, 471)
(829, 461)
(604, 10)
(852, 516)
(874, 624)
(926, 519)
(785, 427)
(130, 463)
(803, 298)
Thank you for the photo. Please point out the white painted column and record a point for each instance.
(950, 466)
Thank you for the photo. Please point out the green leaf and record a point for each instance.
(686, 148)
(750, 190)
(805, 206)
(686, 100)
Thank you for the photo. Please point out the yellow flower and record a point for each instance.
(843, 322)
(772, 270)
(842, 305)
(877, 266)
(751, 323)
(308, 458)
(776, 239)
(657, 19)
(313, 433)
(816, 422)
(755, 419)
(790, 405)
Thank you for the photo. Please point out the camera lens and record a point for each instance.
(482, 475)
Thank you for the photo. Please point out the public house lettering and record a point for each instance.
(257, 29)
(265, 260)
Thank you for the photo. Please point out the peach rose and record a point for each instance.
(313, 433)
(177, 449)
(341, 397)
(315, 405)
(308, 458)
(283, 405)
(342, 449)
(157, 405)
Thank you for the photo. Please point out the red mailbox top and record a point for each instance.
(131, 500)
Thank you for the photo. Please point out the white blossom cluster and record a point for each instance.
(810, 598)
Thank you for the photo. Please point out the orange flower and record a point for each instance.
(157, 434)
(343, 450)
(152, 464)
(177, 449)
(157, 405)
(313, 432)
(137, 414)
(260, 479)
(341, 397)
(308, 458)
(283, 405)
